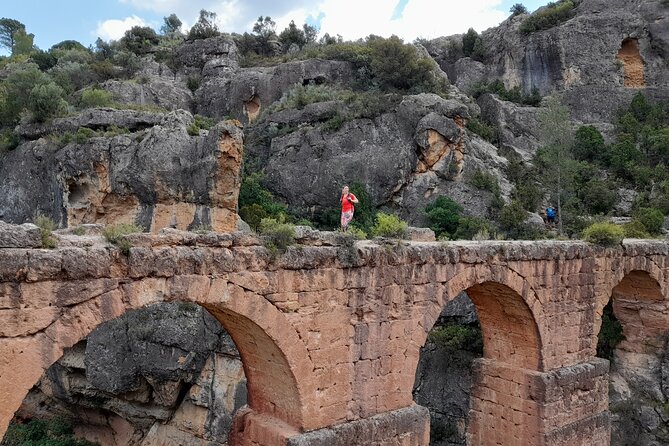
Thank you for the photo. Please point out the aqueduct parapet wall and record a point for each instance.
(330, 335)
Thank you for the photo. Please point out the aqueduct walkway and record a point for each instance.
(330, 339)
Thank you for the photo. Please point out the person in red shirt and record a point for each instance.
(347, 200)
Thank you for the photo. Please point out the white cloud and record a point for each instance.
(114, 29)
(354, 19)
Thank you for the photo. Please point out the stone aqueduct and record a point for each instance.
(330, 340)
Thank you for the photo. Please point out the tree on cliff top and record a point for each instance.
(8, 27)
(172, 25)
(205, 26)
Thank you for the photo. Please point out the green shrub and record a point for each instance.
(483, 129)
(335, 123)
(513, 216)
(46, 101)
(553, 14)
(588, 144)
(444, 216)
(193, 83)
(257, 203)
(469, 228)
(54, 432)
(652, 219)
(485, 181)
(458, 337)
(8, 141)
(46, 226)
(115, 234)
(388, 225)
(84, 134)
(277, 234)
(598, 196)
(604, 234)
(95, 97)
(514, 95)
(635, 229)
(610, 333)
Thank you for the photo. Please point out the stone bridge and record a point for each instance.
(330, 334)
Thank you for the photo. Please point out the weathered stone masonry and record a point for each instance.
(330, 350)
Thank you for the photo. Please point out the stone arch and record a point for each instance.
(271, 351)
(637, 290)
(633, 64)
(639, 305)
(508, 310)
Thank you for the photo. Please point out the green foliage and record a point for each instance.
(444, 216)
(472, 228)
(552, 15)
(53, 432)
(469, 40)
(389, 225)
(46, 101)
(514, 95)
(604, 234)
(193, 83)
(95, 97)
(205, 27)
(115, 234)
(139, 39)
(277, 234)
(597, 196)
(257, 203)
(518, 9)
(635, 229)
(458, 337)
(23, 43)
(485, 181)
(512, 220)
(199, 123)
(651, 219)
(610, 334)
(8, 29)
(364, 209)
(588, 144)
(46, 226)
(17, 86)
(483, 129)
(8, 141)
(302, 95)
(171, 25)
(292, 35)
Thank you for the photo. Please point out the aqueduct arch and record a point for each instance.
(511, 346)
(269, 348)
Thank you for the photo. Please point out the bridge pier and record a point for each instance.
(402, 427)
(566, 406)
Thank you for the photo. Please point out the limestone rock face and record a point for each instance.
(405, 157)
(166, 374)
(244, 92)
(167, 93)
(158, 177)
(598, 59)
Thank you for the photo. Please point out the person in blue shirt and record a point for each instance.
(550, 215)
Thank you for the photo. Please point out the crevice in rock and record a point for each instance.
(633, 63)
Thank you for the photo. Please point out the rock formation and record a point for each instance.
(156, 175)
(165, 374)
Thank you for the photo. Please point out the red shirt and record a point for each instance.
(346, 205)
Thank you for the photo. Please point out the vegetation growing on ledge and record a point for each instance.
(514, 95)
(604, 234)
(551, 15)
(115, 234)
(610, 333)
(53, 432)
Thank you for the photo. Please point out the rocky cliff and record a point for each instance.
(120, 166)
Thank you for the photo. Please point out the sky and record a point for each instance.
(53, 21)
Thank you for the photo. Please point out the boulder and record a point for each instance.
(23, 236)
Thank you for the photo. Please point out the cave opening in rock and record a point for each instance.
(252, 108)
(489, 326)
(164, 374)
(632, 336)
(633, 64)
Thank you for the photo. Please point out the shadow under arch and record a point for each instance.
(501, 400)
(269, 347)
(639, 305)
